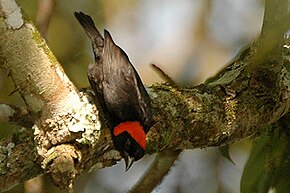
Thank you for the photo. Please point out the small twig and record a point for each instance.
(156, 172)
(163, 75)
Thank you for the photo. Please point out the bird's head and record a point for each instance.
(130, 140)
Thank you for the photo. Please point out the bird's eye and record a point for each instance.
(127, 144)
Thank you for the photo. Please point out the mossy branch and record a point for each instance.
(235, 104)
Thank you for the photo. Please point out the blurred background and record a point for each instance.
(190, 40)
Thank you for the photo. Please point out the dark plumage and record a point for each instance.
(119, 91)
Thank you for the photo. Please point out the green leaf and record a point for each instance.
(224, 151)
(255, 176)
(268, 165)
(282, 177)
(279, 163)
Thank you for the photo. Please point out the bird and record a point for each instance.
(120, 93)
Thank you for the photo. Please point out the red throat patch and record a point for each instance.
(134, 129)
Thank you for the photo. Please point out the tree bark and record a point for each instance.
(67, 139)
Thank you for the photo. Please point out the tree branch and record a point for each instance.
(156, 172)
(61, 113)
(275, 24)
(233, 105)
(228, 109)
(18, 159)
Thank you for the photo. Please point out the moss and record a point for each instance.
(228, 77)
(3, 159)
(36, 36)
(49, 159)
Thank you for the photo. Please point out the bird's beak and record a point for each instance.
(128, 161)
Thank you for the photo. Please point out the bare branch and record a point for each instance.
(156, 172)
(163, 75)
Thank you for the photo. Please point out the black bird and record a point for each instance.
(120, 93)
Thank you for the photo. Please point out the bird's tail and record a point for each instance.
(93, 33)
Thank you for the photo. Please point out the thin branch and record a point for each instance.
(163, 75)
(275, 25)
(156, 172)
